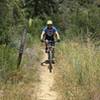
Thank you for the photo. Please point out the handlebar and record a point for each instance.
(49, 41)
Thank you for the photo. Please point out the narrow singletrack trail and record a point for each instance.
(45, 88)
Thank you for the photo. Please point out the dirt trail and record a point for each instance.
(45, 88)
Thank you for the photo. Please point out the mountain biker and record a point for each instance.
(49, 33)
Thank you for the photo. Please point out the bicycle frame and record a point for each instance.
(50, 53)
(50, 49)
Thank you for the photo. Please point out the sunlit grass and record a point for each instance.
(78, 72)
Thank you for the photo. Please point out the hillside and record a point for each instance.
(76, 73)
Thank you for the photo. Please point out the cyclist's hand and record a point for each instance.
(58, 40)
(42, 40)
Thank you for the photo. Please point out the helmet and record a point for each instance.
(49, 22)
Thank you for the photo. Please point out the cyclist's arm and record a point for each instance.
(42, 35)
(57, 35)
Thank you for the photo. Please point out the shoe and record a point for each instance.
(53, 61)
(46, 51)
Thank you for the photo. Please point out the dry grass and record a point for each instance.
(78, 71)
(22, 84)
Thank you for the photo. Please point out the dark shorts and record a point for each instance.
(51, 42)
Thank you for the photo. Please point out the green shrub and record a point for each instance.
(8, 60)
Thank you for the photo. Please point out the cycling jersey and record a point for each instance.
(49, 33)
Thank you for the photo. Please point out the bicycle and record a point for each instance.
(50, 53)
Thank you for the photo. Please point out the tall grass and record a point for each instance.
(19, 84)
(7, 61)
(78, 71)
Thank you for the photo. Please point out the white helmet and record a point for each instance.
(49, 22)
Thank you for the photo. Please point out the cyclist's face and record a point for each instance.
(50, 25)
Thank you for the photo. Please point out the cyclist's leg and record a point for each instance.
(53, 56)
(53, 52)
(46, 47)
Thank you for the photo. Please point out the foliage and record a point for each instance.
(7, 61)
(75, 20)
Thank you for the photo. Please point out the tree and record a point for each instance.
(41, 7)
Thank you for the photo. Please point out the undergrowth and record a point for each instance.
(78, 71)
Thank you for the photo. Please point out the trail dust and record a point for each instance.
(45, 88)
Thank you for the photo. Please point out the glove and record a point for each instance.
(58, 40)
(41, 40)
